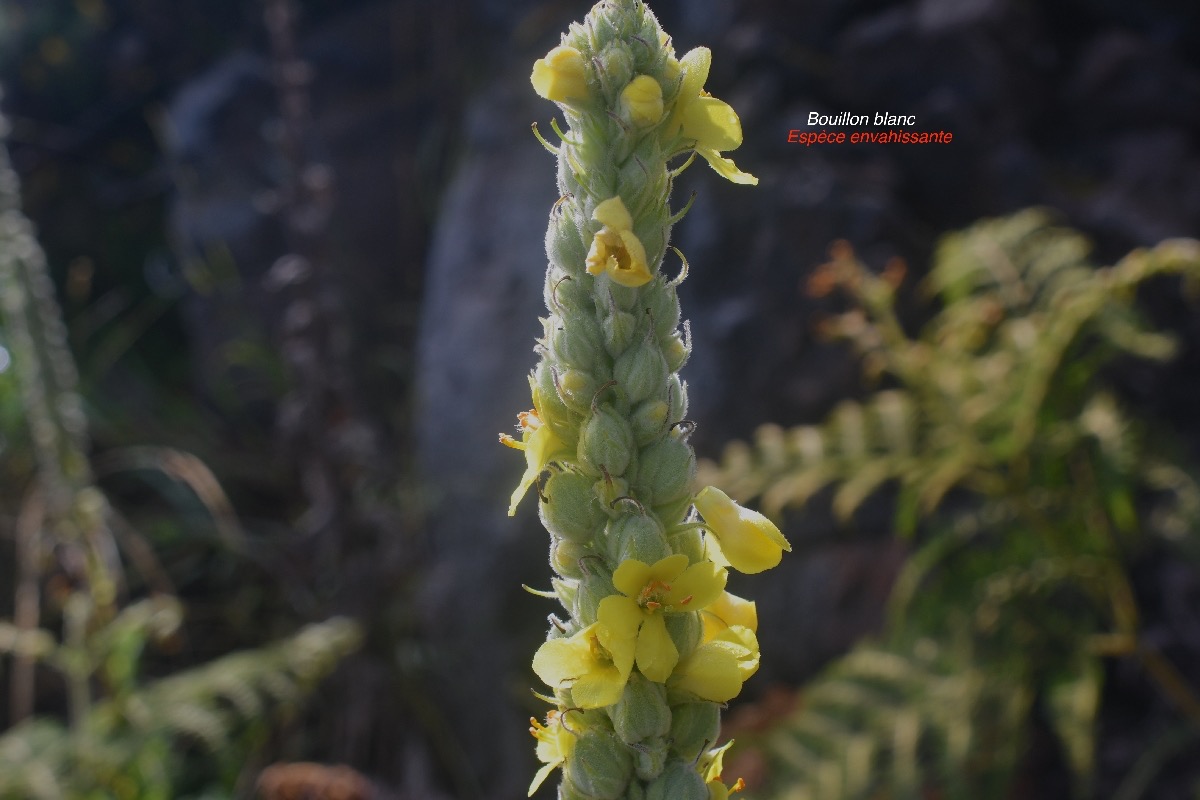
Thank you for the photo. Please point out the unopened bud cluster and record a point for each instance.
(652, 644)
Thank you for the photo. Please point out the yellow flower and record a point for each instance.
(650, 590)
(717, 669)
(739, 537)
(642, 101)
(726, 611)
(540, 444)
(710, 123)
(560, 75)
(616, 251)
(594, 663)
(711, 765)
(555, 741)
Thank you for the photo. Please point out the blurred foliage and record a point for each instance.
(1028, 491)
(124, 737)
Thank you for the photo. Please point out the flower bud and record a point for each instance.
(595, 585)
(606, 442)
(641, 372)
(649, 421)
(642, 102)
(615, 66)
(571, 510)
(689, 541)
(619, 329)
(578, 345)
(676, 352)
(650, 758)
(636, 536)
(665, 472)
(642, 711)
(600, 766)
(577, 388)
(565, 555)
(560, 75)
(694, 727)
(565, 245)
(679, 781)
(664, 308)
(684, 630)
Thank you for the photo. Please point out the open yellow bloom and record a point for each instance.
(642, 101)
(594, 663)
(616, 251)
(555, 742)
(559, 76)
(540, 444)
(726, 611)
(650, 590)
(710, 123)
(739, 537)
(717, 669)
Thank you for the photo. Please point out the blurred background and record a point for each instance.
(297, 251)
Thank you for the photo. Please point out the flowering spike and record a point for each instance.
(654, 644)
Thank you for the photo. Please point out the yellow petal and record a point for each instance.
(613, 214)
(695, 63)
(560, 661)
(559, 76)
(630, 576)
(642, 101)
(698, 586)
(656, 653)
(629, 267)
(712, 123)
(726, 168)
(745, 539)
(712, 671)
(541, 776)
(733, 610)
(601, 687)
(541, 447)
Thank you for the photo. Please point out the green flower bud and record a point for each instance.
(675, 351)
(619, 329)
(684, 630)
(648, 421)
(571, 510)
(577, 388)
(689, 541)
(638, 536)
(665, 472)
(600, 766)
(650, 757)
(609, 490)
(595, 585)
(565, 555)
(615, 68)
(694, 728)
(663, 304)
(578, 346)
(642, 372)
(679, 781)
(606, 442)
(642, 712)
(564, 243)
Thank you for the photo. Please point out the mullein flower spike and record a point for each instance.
(653, 644)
